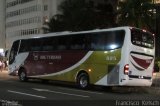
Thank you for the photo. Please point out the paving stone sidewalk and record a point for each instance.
(155, 88)
(4, 75)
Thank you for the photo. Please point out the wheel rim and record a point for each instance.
(22, 76)
(83, 82)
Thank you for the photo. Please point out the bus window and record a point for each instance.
(13, 52)
(141, 38)
(108, 40)
(77, 42)
(25, 46)
(36, 44)
(49, 44)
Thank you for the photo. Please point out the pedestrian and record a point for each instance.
(5, 64)
(1, 65)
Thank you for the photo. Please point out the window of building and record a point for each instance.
(16, 2)
(23, 22)
(22, 11)
(45, 7)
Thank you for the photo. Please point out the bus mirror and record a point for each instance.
(7, 54)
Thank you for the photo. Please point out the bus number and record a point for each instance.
(111, 58)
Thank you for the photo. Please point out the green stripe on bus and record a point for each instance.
(98, 62)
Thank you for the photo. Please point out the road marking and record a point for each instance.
(81, 91)
(46, 90)
(26, 94)
(10, 103)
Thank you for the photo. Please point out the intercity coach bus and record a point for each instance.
(122, 56)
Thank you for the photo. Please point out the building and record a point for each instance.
(27, 17)
(2, 24)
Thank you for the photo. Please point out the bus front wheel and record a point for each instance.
(83, 80)
(23, 75)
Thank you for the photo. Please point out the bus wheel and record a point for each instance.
(83, 80)
(23, 75)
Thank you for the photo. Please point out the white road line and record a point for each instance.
(26, 94)
(64, 93)
(70, 94)
(80, 90)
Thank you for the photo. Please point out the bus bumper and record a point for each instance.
(136, 82)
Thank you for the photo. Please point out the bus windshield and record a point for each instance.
(142, 38)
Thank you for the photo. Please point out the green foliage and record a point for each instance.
(138, 13)
(77, 15)
(56, 24)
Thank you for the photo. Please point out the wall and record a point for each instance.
(2, 24)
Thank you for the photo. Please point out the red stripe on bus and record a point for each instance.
(142, 62)
(40, 63)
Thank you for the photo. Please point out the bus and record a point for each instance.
(120, 56)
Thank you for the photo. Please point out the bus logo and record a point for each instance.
(35, 57)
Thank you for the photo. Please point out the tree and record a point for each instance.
(56, 24)
(138, 13)
(77, 15)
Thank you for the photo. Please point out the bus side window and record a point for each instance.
(25, 46)
(36, 45)
(48, 44)
(97, 42)
(61, 43)
(78, 42)
(61, 47)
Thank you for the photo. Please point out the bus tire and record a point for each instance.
(22, 75)
(83, 80)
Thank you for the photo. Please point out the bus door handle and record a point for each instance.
(50, 63)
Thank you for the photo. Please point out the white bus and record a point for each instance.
(122, 56)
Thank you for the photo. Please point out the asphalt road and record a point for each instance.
(15, 92)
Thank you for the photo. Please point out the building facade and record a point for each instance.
(25, 18)
(2, 24)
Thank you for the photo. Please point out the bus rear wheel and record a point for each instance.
(83, 80)
(23, 75)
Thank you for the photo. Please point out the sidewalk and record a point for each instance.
(156, 80)
(155, 88)
(4, 75)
